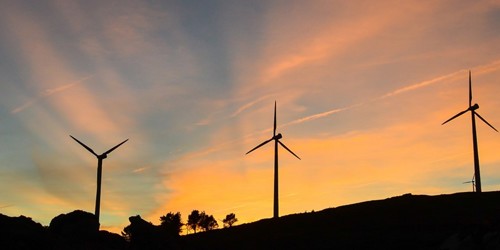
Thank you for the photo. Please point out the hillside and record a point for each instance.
(465, 220)
(455, 221)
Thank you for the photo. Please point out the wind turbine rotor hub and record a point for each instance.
(474, 107)
(104, 156)
(278, 136)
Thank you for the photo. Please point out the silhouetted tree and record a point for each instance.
(207, 222)
(144, 235)
(229, 220)
(172, 223)
(127, 233)
(194, 220)
(138, 231)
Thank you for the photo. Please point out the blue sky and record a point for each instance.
(361, 86)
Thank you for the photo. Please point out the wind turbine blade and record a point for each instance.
(288, 149)
(260, 145)
(274, 129)
(85, 146)
(480, 117)
(470, 90)
(457, 115)
(111, 150)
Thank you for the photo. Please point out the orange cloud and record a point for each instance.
(317, 38)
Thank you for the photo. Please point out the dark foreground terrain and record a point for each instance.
(456, 221)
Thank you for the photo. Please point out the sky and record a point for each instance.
(362, 88)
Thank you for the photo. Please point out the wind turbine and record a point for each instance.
(100, 158)
(472, 109)
(276, 138)
(473, 184)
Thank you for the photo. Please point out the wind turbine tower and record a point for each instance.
(100, 158)
(472, 109)
(276, 138)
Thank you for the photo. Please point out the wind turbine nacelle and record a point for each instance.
(103, 156)
(474, 107)
(278, 136)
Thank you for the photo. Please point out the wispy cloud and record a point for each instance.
(47, 93)
(203, 122)
(412, 87)
(489, 67)
(140, 170)
(321, 115)
(309, 45)
(23, 106)
(249, 105)
(493, 66)
(420, 84)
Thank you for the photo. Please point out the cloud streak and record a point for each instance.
(490, 67)
(321, 115)
(249, 105)
(47, 93)
(420, 85)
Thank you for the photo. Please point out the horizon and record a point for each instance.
(361, 91)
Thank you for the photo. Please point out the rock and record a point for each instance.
(77, 224)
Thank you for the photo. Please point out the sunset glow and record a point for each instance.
(362, 88)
